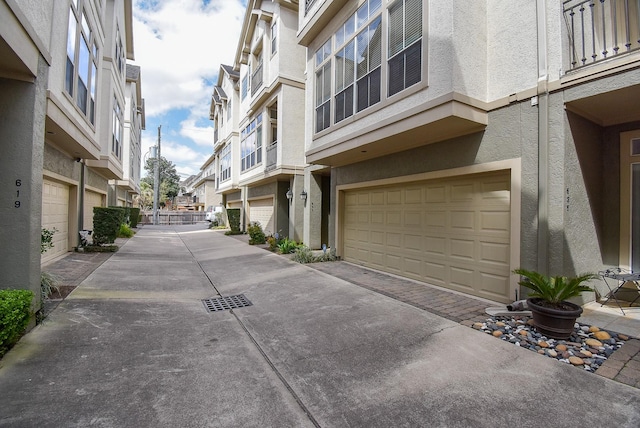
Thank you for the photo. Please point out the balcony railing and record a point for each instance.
(272, 157)
(256, 80)
(307, 5)
(601, 29)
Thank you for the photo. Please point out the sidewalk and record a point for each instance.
(133, 346)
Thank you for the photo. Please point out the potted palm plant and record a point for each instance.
(553, 315)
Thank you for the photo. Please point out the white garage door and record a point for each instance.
(450, 232)
(91, 199)
(55, 214)
(261, 211)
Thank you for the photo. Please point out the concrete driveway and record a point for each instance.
(134, 346)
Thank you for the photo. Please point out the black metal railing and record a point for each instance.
(601, 29)
(307, 5)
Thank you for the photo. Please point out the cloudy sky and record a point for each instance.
(179, 46)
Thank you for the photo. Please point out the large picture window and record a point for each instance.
(323, 87)
(405, 45)
(251, 144)
(225, 163)
(116, 139)
(82, 61)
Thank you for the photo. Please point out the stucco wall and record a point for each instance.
(22, 113)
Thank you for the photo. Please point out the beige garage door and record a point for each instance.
(450, 232)
(91, 199)
(262, 211)
(55, 214)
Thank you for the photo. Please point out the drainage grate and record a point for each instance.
(225, 303)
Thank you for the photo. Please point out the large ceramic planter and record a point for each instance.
(554, 323)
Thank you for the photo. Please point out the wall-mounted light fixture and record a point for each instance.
(303, 196)
(289, 194)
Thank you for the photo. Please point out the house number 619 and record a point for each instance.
(17, 202)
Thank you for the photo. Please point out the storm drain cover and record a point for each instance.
(225, 303)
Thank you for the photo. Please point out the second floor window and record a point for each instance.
(116, 139)
(274, 38)
(244, 87)
(82, 61)
(251, 144)
(405, 45)
(323, 87)
(225, 163)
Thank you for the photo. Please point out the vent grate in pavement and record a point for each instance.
(225, 303)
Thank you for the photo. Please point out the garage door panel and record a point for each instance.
(463, 220)
(495, 253)
(462, 192)
(55, 215)
(495, 221)
(449, 232)
(261, 211)
(493, 286)
(463, 249)
(413, 195)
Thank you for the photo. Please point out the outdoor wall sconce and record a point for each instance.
(303, 196)
(289, 195)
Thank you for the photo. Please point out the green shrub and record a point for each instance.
(106, 224)
(256, 234)
(234, 219)
(48, 284)
(46, 239)
(125, 231)
(303, 255)
(287, 246)
(14, 316)
(134, 217)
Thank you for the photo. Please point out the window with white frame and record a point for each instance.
(244, 87)
(229, 110)
(274, 38)
(119, 58)
(251, 144)
(358, 61)
(82, 60)
(225, 163)
(323, 87)
(116, 136)
(355, 58)
(405, 44)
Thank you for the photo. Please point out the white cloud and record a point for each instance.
(179, 45)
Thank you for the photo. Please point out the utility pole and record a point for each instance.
(156, 181)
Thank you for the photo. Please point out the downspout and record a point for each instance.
(543, 139)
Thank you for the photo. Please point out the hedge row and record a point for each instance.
(14, 316)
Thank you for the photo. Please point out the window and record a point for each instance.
(225, 163)
(405, 45)
(82, 61)
(257, 76)
(274, 38)
(369, 60)
(245, 86)
(116, 138)
(119, 58)
(323, 87)
(228, 110)
(251, 144)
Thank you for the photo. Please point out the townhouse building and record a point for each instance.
(258, 110)
(466, 139)
(64, 84)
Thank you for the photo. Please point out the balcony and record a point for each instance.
(600, 29)
(307, 5)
